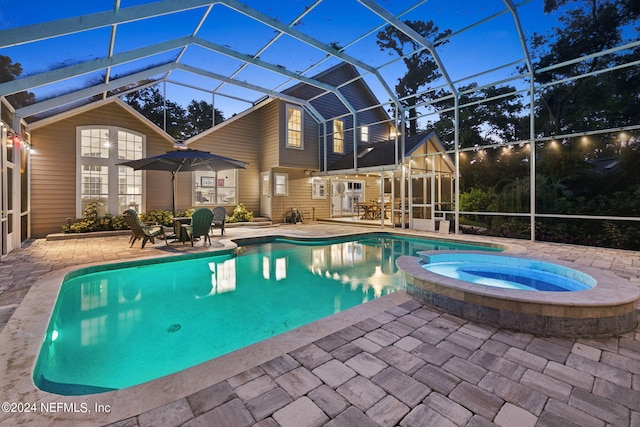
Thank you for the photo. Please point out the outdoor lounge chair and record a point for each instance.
(200, 224)
(219, 218)
(141, 231)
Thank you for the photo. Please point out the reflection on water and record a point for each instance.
(356, 265)
(164, 317)
(223, 276)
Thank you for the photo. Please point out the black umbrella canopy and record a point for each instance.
(186, 160)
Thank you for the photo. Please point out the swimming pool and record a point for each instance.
(119, 325)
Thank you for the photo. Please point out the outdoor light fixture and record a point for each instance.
(624, 138)
(13, 139)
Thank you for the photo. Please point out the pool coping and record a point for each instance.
(605, 310)
(21, 338)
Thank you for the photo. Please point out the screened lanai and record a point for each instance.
(536, 103)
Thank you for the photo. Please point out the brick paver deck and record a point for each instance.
(412, 365)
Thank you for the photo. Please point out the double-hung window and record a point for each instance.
(294, 127)
(280, 184)
(100, 178)
(364, 134)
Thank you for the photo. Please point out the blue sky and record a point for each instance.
(486, 46)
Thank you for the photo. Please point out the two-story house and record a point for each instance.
(299, 155)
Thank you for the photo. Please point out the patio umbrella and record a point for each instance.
(186, 160)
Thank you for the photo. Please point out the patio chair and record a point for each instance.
(219, 218)
(200, 224)
(141, 231)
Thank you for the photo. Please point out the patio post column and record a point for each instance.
(403, 184)
(382, 198)
(324, 143)
(456, 145)
(532, 161)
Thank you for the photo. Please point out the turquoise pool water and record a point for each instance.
(124, 324)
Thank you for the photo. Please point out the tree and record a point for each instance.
(150, 103)
(421, 66)
(199, 117)
(481, 123)
(9, 71)
(590, 27)
(181, 123)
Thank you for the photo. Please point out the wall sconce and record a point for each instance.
(13, 139)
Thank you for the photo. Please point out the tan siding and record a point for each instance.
(238, 140)
(53, 176)
(270, 134)
(299, 197)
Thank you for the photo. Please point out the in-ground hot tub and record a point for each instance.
(523, 294)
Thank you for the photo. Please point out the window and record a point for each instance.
(319, 188)
(294, 127)
(338, 136)
(95, 182)
(215, 188)
(95, 143)
(364, 134)
(280, 184)
(100, 178)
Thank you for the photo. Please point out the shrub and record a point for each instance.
(184, 214)
(93, 222)
(158, 216)
(240, 214)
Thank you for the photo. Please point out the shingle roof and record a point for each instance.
(383, 153)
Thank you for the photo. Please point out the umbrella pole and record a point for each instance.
(173, 192)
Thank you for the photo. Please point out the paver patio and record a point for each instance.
(409, 365)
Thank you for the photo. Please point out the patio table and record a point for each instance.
(179, 229)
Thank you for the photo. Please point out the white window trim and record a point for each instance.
(286, 142)
(215, 192)
(111, 162)
(286, 184)
(316, 184)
